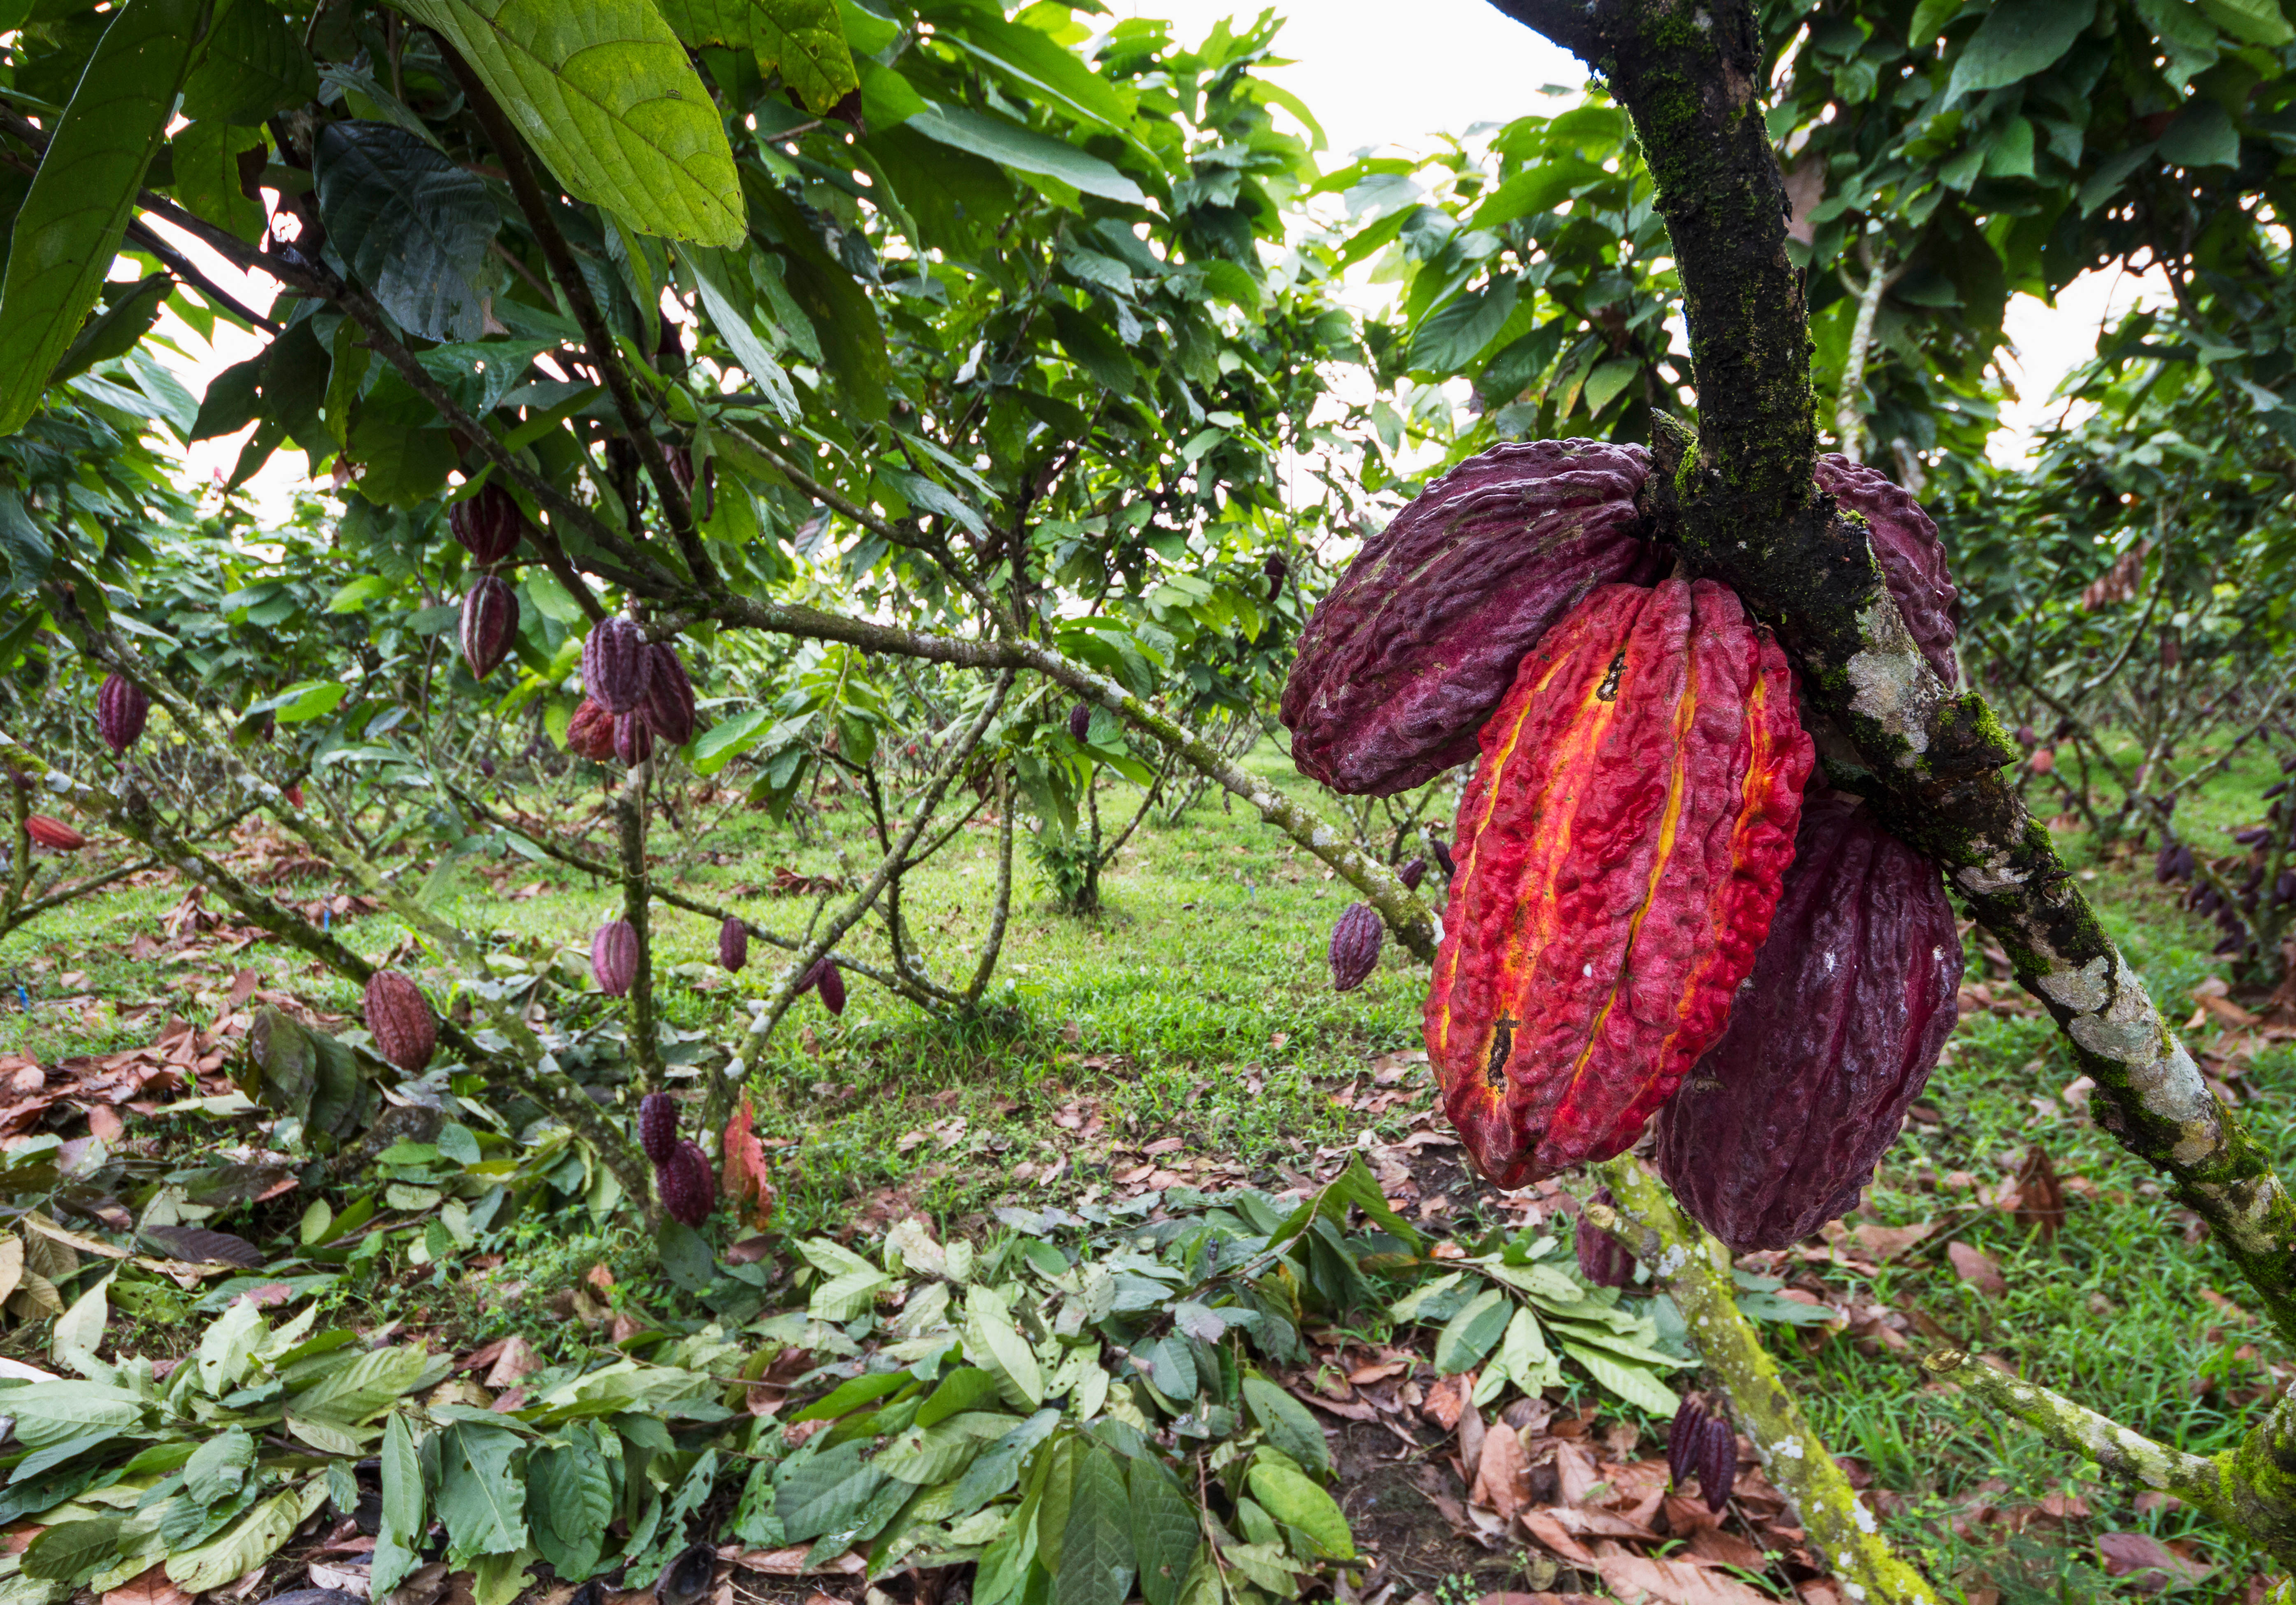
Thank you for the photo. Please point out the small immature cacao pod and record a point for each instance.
(1442, 851)
(1079, 721)
(121, 711)
(398, 1018)
(689, 1188)
(616, 665)
(633, 739)
(590, 732)
(669, 706)
(489, 625)
(732, 943)
(1355, 945)
(1413, 872)
(488, 524)
(1682, 1440)
(2043, 760)
(1619, 851)
(53, 834)
(614, 957)
(1409, 654)
(826, 978)
(1851, 999)
(1717, 1461)
(657, 1126)
(1602, 1259)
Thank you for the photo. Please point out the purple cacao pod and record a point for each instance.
(1442, 851)
(668, 705)
(488, 524)
(657, 1126)
(1277, 569)
(1851, 998)
(1079, 721)
(616, 665)
(826, 978)
(489, 625)
(1907, 545)
(1682, 1440)
(1408, 656)
(1355, 945)
(398, 1018)
(590, 732)
(1717, 1461)
(633, 739)
(689, 1188)
(1413, 872)
(614, 957)
(121, 711)
(732, 943)
(1602, 1259)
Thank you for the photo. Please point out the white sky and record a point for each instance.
(1457, 64)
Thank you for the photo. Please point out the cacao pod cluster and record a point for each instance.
(1704, 1446)
(636, 690)
(1646, 916)
(489, 525)
(825, 978)
(681, 1170)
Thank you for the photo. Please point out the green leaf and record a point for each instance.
(850, 1395)
(1165, 1531)
(2017, 39)
(1025, 151)
(1287, 1423)
(50, 1413)
(1635, 1384)
(1042, 66)
(993, 1343)
(994, 1474)
(240, 1548)
(826, 1493)
(2258, 21)
(805, 40)
(72, 1551)
(373, 1381)
(733, 327)
(79, 202)
(1095, 1565)
(1299, 1503)
(481, 1499)
(410, 224)
(404, 1514)
(117, 329)
(929, 1454)
(604, 91)
(1930, 18)
(254, 65)
(568, 1501)
(960, 1390)
(2201, 136)
(1471, 1333)
(218, 1467)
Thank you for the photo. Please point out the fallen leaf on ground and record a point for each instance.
(2152, 1563)
(1976, 1267)
(1887, 1243)
(1673, 1582)
(1502, 1473)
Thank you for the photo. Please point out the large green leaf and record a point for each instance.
(482, 1499)
(1300, 1504)
(241, 1547)
(2017, 39)
(1165, 1530)
(1096, 1564)
(71, 221)
(410, 224)
(254, 65)
(568, 1501)
(1025, 151)
(805, 40)
(404, 1511)
(604, 91)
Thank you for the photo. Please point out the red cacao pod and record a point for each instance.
(668, 705)
(1355, 945)
(825, 977)
(1079, 721)
(398, 1018)
(590, 732)
(614, 957)
(633, 739)
(1619, 851)
(1410, 653)
(53, 834)
(657, 1126)
(732, 943)
(488, 524)
(1907, 545)
(2043, 761)
(489, 625)
(616, 665)
(689, 1187)
(1851, 1002)
(1602, 1259)
(295, 796)
(121, 711)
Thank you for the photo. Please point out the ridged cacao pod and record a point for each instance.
(488, 524)
(1851, 1002)
(53, 834)
(1602, 1259)
(489, 625)
(1717, 1461)
(826, 978)
(1442, 851)
(732, 943)
(669, 706)
(689, 1188)
(1355, 945)
(614, 957)
(1907, 545)
(1413, 872)
(590, 732)
(121, 711)
(1682, 1440)
(633, 739)
(616, 665)
(657, 1126)
(1079, 721)
(1409, 654)
(1620, 850)
(398, 1018)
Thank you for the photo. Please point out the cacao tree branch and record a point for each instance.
(1695, 1271)
(630, 835)
(994, 942)
(1848, 415)
(1741, 503)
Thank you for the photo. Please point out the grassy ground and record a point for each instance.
(1198, 1007)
